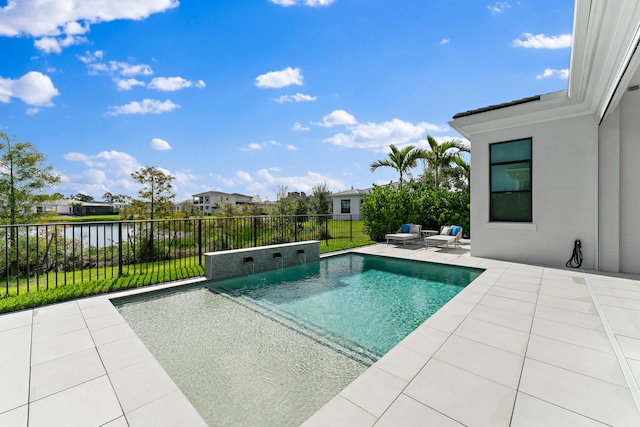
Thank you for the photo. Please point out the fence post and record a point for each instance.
(255, 231)
(326, 231)
(119, 248)
(295, 228)
(351, 228)
(200, 241)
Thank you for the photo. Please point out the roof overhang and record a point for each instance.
(604, 63)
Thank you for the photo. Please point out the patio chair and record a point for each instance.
(448, 235)
(405, 233)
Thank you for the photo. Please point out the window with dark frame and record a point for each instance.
(510, 181)
(345, 206)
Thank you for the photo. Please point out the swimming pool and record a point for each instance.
(272, 348)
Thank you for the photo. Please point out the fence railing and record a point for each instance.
(41, 256)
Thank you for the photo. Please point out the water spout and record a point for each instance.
(302, 255)
(278, 256)
(248, 261)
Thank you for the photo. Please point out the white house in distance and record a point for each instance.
(208, 201)
(75, 207)
(348, 203)
(550, 169)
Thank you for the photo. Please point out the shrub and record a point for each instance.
(385, 208)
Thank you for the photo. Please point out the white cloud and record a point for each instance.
(106, 171)
(444, 41)
(292, 148)
(380, 135)
(34, 88)
(259, 146)
(91, 57)
(160, 144)
(298, 97)
(336, 118)
(254, 147)
(170, 84)
(59, 24)
(127, 84)
(266, 182)
(299, 128)
(120, 68)
(540, 41)
(549, 72)
(277, 79)
(147, 106)
(32, 111)
(117, 162)
(498, 7)
(312, 3)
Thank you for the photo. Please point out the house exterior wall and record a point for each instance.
(564, 171)
(208, 201)
(609, 192)
(629, 233)
(356, 203)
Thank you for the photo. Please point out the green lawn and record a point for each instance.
(57, 287)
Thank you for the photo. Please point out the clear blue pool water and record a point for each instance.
(270, 349)
(369, 302)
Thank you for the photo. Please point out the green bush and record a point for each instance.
(386, 208)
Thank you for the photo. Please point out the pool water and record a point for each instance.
(272, 348)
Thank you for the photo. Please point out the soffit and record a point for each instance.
(605, 38)
(603, 65)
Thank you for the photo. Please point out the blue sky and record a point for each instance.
(246, 96)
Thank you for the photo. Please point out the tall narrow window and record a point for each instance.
(510, 181)
(346, 206)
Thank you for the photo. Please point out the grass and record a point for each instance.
(58, 287)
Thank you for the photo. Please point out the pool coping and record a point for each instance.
(409, 384)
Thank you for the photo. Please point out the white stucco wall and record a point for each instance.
(609, 193)
(630, 183)
(564, 167)
(355, 205)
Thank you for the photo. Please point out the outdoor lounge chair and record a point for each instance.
(445, 238)
(406, 232)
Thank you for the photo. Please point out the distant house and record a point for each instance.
(347, 204)
(209, 201)
(550, 169)
(184, 206)
(75, 207)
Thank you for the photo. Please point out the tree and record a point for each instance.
(23, 176)
(402, 160)
(81, 197)
(320, 202)
(156, 195)
(284, 205)
(440, 157)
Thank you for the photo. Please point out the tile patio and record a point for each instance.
(520, 346)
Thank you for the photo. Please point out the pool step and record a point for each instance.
(339, 344)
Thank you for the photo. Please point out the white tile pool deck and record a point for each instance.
(520, 346)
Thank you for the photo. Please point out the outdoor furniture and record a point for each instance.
(405, 233)
(445, 238)
(429, 233)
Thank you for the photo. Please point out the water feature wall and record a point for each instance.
(241, 262)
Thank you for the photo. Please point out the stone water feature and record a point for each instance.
(242, 262)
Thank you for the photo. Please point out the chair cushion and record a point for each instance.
(445, 230)
(404, 228)
(455, 229)
(414, 228)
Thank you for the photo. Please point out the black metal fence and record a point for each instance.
(41, 256)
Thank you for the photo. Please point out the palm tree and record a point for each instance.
(402, 160)
(441, 156)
